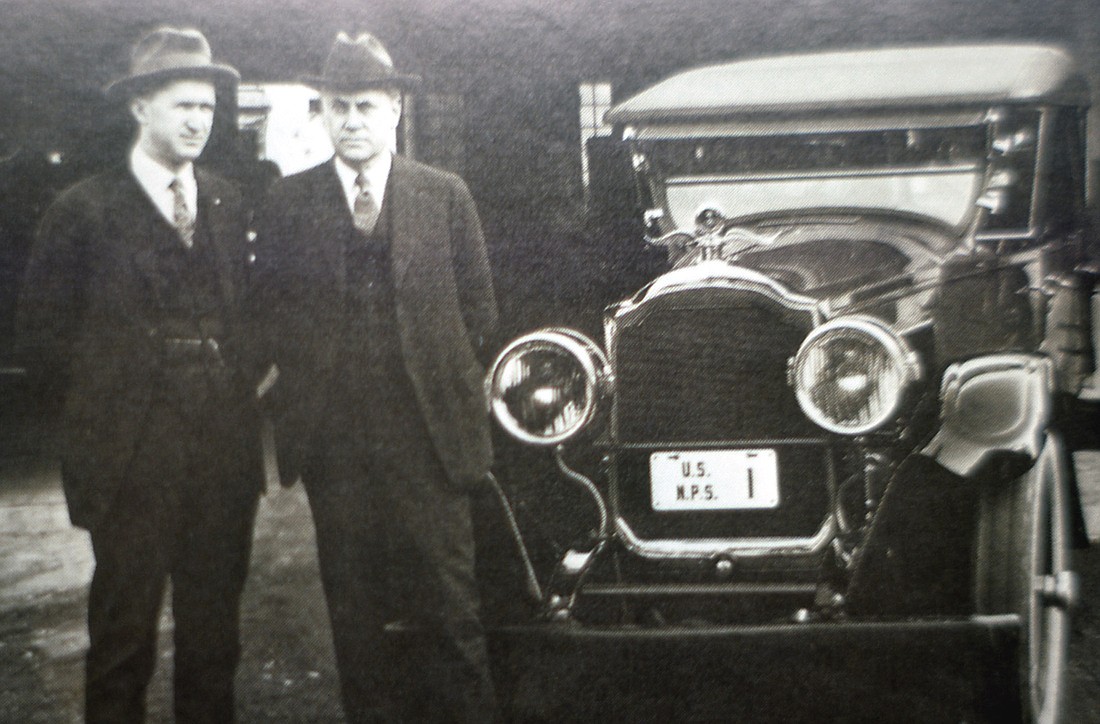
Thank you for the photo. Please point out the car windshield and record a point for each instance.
(930, 172)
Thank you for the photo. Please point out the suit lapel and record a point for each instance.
(138, 227)
(409, 217)
(334, 223)
(213, 215)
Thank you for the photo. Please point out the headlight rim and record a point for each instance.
(583, 350)
(897, 349)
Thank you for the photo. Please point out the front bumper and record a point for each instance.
(946, 669)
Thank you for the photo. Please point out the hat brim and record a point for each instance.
(397, 81)
(130, 85)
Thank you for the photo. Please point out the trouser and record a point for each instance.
(395, 542)
(184, 512)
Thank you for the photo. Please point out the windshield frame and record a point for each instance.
(988, 122)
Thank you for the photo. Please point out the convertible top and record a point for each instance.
(889, 78)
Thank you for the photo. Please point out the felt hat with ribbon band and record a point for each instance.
(167, 54)
(360, 63)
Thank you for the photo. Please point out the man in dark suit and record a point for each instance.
(373, 296)
(129, 313)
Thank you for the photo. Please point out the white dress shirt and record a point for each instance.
(155, 178)
(377, 173)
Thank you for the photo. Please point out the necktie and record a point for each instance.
(181, 215)
(365, 210)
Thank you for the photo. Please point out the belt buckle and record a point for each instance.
(196, 349)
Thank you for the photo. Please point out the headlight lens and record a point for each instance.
(545, 387)
(851, 374)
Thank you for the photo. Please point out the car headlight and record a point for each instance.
(545, 387)
(850, 374)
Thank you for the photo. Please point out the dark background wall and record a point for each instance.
(512, 66)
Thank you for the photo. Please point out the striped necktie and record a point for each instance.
(365, 210)
(181, 215)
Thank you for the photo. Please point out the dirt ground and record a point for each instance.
(287, 673)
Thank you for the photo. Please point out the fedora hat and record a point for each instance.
(360, 63)
(166, 54)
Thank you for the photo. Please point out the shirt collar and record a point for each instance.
(154, 178)
(377, 173)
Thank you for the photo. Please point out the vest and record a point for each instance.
(191, 325)
(370, 387)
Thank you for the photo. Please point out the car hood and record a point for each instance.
(827, 267)
(843, 262)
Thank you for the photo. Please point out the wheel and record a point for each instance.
(1023, 566)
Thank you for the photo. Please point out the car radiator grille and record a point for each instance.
(709, 368)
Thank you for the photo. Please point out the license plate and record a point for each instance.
(714, 480)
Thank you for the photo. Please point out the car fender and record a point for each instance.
(992, 407)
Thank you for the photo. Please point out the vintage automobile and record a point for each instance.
(835, 430)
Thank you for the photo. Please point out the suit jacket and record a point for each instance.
(88, 317)
(443, 297)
